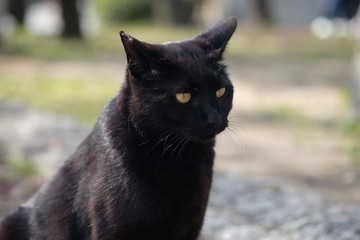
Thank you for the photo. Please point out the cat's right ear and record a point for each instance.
(140, 55)
(215, 39)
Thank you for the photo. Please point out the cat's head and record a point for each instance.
(180, 87)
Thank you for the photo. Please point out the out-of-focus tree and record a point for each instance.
(1, 16)
(17, 9)
(70, 15)
(115, 10)
(175, 11)
(345, 9)
(162, 11)
(71, 18)
(263, 11)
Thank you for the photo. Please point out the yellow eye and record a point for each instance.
(183, 97)
(220, 92)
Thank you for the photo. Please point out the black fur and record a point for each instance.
(145, 170)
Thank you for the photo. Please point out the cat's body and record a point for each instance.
(145, 170)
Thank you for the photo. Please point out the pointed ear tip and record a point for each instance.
(123, 34)
(233, 19)
(125, 38)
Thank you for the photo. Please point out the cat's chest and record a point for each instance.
(166, 203)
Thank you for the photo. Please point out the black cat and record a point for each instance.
(145, 170)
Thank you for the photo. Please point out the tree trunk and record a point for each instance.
(263, 11)
(174, 11)
(182, 11)
(17, 9)
(161, 10)
(71, 19)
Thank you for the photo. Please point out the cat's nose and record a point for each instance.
(211, 117)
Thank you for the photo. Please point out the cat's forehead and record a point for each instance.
(183, 49)
(185, 54)
(190, 61)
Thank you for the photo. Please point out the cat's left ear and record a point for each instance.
(215, 39)
(140, 56)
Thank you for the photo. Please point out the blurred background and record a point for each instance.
(295, 66)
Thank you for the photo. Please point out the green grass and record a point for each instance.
(14, 168)
(248, 42)
(21, 168)
(289, 115)
(24, 45)
(106, 45)
(78, 98)
(352, 133)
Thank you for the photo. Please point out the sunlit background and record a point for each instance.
(295, 66)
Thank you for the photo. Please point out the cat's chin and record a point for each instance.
(204, 138)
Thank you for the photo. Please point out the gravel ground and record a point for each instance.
(240, 208)
(251, 209)
(42, 138)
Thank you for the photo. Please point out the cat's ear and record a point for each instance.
(215, 39)
(140, 55)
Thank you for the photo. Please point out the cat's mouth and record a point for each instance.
(205, 135)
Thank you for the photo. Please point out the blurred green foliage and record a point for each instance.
(106, 45)
(352, 132)
(78, 98)
(116, 10)
(20, 168)
(286, 114)
(249, 43)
